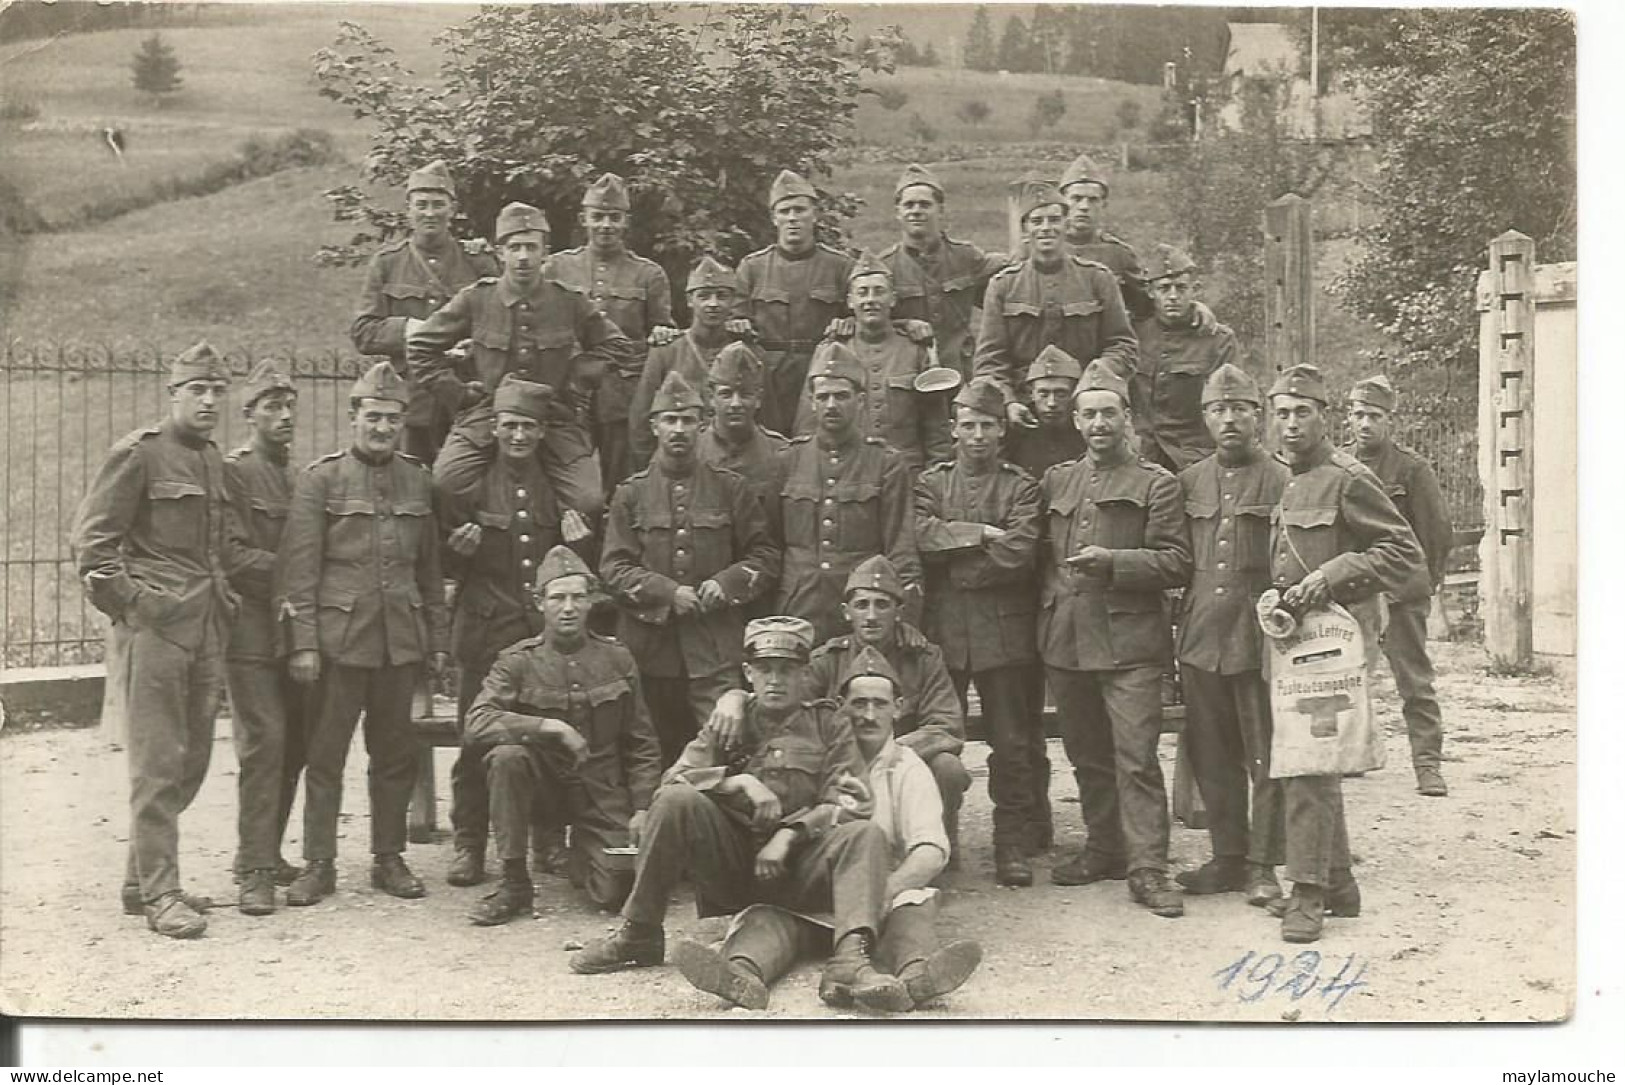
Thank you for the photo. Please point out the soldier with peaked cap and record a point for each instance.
(937, 279)
(1050, 381)
(535, 326)
(776, 816)
(788, 294)
(910, 421)
(152, 544)
(1049, 298)
(561, 718)
(1228, 499)
(686, 549)
(411, 278)
(843, 498)
(977, 521)
(1117, 539)
(632, 291)
(1414, 489)
(268, 710)
(733, 439)
(1176, 356)
(358, 586)
(1335, 536)
(764, 940)
(498, 513)
(711, 292)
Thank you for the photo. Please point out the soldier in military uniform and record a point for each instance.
(268, 709)
(497, 509)
(561, 716)
(1334, 537)
(938, 279)
(1050, 298)
(1228, 500)
(843, 498)
(977, 521)
(733, 439)
(634, 293)
(768, 819)
(1176, 357)
(408, 280)
(532, 325)
(151, 543)
(711, 291)
(912, 422)
(1414, 490)
(358, 583)
(1050, 381)
(1117, 539)
(686, 549)
(1085, 189)
(788, 294)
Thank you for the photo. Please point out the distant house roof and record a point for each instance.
(1260, 49)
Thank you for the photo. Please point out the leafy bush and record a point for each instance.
(975, 112)
(1128, 113)
(20, 110)
(892, 98)
(923, 130)
(1047, 110)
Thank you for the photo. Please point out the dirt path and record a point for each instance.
(1469, 907)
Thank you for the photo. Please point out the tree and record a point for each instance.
(1014, 45)
(974, 112)
(928, 56)
(533, 102)
(980, 54)
(1046, 45)
(1047, 110)
(154, 70)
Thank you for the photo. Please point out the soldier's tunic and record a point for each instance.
(1124, 262)
(519, 523)
(755, 459)
(1104, 641)
(912, 423)
(1037, 450)
(668, 529)
(635, 294)
(594, 688)
(358, 580)
(789, 298)
(151, 545)
(1166, 389)
(686, 355)
(1075, 306)
(981, 606)
(1334, 516)
(408, 282)
(269, 709)
(549, 334)
(1227, 730)
(943, 287)
(1414, 489)
(840, 505)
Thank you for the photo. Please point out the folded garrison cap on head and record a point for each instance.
(433, 177)
(533, 400)
(266, 377)
(868, 662)
(1301, 380)
(675, 394)
(562, 561)
(1166, 262)
(1099, 378)
(379, 382)
(984, 396)
(876, 573)
(1052, 361)
(517, 218)
(835, 360)
(1036, 194)
(1375, 391)
(1230, 381)
(1082, 169)
(608, 193)
(867, 264)
(200, 361)
(914, 174)
(787, 184)
(713, 274)
(736, 366)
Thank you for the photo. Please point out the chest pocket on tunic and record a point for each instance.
(1177, 389)
(350, 529)
(269, 518)
(177, 511)
(1084, 307)
(1312, 531)
(713, 540)
(410, 299)
(802, 510)
(411, 521)
(1204, 516)
(1252, 538)
(604, 719)
(857, 516)
(791, 766)
(1122, 521)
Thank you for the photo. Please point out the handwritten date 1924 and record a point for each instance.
(1255, 975)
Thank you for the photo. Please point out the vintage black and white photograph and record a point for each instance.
(723, 512)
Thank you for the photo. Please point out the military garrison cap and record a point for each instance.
(1301, 380)
(914, 174)
(675, 394)
(608, 193)
(709, 273)
(562, 561)
(736, 366)
(1036, 194)
(1099, 378)
(876, 573)
(780, 636)
(517, 218)
(433, 177)
(265, 378)
(866, 264)
(984, 396)
(787, 184)
(1052, 361)
(1166, 262)
(835, 360)
(379, 382)
(198, 362)
(1375, 391)
(868, 662)
(534, 401)
(1230, 381)
(1084, 169)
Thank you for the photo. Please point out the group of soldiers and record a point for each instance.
(1073, 496)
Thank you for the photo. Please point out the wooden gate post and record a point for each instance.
(1289, 278)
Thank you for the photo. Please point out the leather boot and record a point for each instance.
(945, 970)
(633, 945)
(1342, 897)
(1305, 914)
(285, 873)
(391, 874)
(730, 979)
(511, 899)
(1010, 866)
(318, 881)
(1262, 888)
(467, 868)
(850, 972)
(1430, 782)
(258, 893)
(1087, 869)
(1038, 836)
(130, 900)
(1217, 875)
(1152, 889)
(172, 917)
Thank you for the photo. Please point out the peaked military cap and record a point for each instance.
(835, 360)
(608, 193)
(379, 382)
(787, 184)
(915, 174)
(198, 362)
(1052, 361)
(876, 573)
(1166, 262)
(1301, 380)
(1099, 378)
(1036, 194)
(1375, 391)
(675, 394)
(736, 366)
(780, 636)
(433, 177)
(562, 561)
(264, 378)
(1230, 381)
(867, 264)
(517, 218)
(713, 274)
(984, 396)
(534, 401)
(868, 662)
(1084, 169)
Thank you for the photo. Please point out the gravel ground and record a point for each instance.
(1468, 907)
